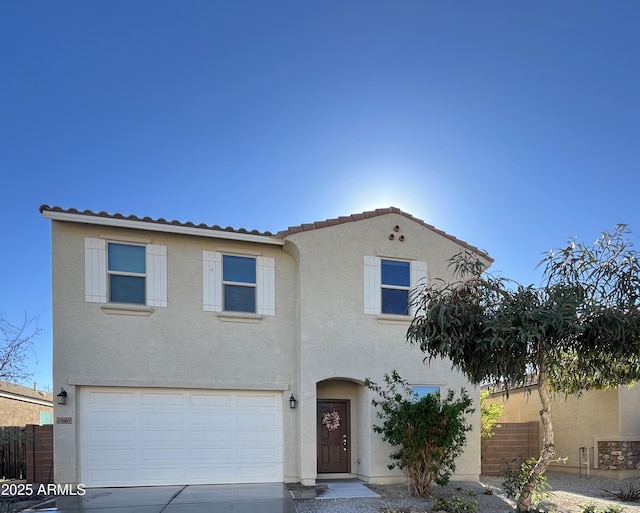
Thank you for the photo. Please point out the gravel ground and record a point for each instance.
(569, 492)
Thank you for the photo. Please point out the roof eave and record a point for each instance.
(159, 227)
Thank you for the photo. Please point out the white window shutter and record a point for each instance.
(372, 284)
(95, 270)
(418, 279)
(211, 281)
(156, 275)
(266, 285)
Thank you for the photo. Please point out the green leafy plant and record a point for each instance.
(516, 476)
(428, 434)
(489, 415)
(457, 504)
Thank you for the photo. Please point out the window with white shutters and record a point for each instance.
(123, 273)
(238, 283)
(388, 284)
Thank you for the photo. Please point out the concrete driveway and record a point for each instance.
(242, 498)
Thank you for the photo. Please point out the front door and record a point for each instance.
(334, 444)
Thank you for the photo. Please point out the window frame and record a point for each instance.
(406, 288)
(132, 274)
(96, 277)
(253, 285)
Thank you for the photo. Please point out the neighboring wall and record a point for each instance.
(21, 405)
(579, 421)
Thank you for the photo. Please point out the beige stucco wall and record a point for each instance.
(178, 346)
(577, 420)
(629, 411)
(319, 342)
(16, 412)
(337, 340)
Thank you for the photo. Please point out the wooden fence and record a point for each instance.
(12, 452)
(509, 442)
(26, 452)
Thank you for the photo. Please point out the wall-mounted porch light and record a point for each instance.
(62, 396)
(292, 402)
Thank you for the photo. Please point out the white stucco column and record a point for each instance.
(308, 457)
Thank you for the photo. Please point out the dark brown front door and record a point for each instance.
(334, 444)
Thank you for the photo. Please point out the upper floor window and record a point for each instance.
(117, 272)
(395, 283)
(239, 282)
(388, 284)
(127, 271)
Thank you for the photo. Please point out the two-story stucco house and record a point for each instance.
(199, 354)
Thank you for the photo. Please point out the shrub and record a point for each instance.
(516, 476)
(590, 507)
(489, 415)
(428, 434)
(457, 504)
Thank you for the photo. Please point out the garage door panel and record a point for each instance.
(210, 418)
(210, 401)
(256, 401)
(97, 437)
(111, 400)
(132, 437)
(161, 400)
(111, 476)
(112, 418)
(257, 436)
(211, 454)
(264, 454)
(155, 418)
(256, 473)
(111, 456)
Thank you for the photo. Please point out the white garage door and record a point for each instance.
(144, 436)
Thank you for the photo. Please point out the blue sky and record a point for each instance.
(511, 125)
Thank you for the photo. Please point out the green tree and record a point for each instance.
(579, 330)
(489, 415)
(427, 433)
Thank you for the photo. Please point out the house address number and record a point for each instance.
(63, 420)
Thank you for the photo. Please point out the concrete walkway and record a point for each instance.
(242, 498)
(344, 489)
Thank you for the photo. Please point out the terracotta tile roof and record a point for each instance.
(189, 224)
(19, 390)
(380, 212)
(282, 234)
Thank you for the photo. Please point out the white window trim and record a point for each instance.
(245, 284)
(96, 272)
(373, 285)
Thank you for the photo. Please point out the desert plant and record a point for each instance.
(629, 493)
(428, 434)
(590, 507)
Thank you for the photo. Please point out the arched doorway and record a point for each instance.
(338, 421)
